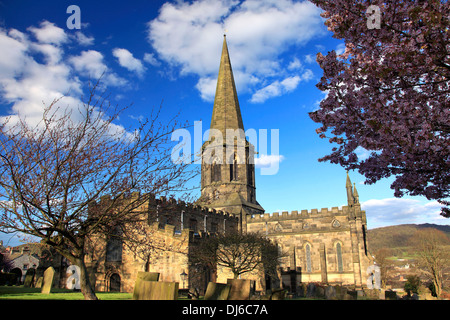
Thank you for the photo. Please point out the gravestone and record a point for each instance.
(29, 278)
(73, 280)
(311, 290)
(143, 276)
(240, 289)
(217, 291)
(39, 282)
(390, 295)
(158, 290)
(330, 293)
(49, 274)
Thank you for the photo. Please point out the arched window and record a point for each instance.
(114, 246)
(308, 257)
(340, 265)
(233, 168)
(215, 171)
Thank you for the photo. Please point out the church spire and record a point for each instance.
(226, 111)
(348, 186)
(355, 194)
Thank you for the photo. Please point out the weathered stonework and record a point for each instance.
(327, 245)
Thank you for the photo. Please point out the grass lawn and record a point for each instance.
(22, 293)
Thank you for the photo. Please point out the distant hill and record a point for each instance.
(398, 237)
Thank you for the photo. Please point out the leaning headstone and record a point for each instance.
(240, 289)
(143, 276)
(340, 292)
(217, 291)
(330, 293)
(29, 277)
(48, 280)
(155, 290)
(39, 282)
(311, 290)
(320, 292)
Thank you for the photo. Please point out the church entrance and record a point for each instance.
(114, 283)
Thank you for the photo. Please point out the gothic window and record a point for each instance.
(308, 257)
(233, 169)
(114, 247)
(250, 174)
(215, 171)
(339, 257)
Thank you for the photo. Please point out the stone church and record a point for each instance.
(326, 245)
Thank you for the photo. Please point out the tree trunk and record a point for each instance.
(437, 286)
(86, 288)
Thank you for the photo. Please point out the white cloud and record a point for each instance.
(91, 64)
(340, 49)
(295, 64)
(309, 58)
(362, 153)
(393, 211)
(188, 36)
(35, 70)
(275, 89)
(83, 40)
(278, 88)
(265, 161)
(129, 62)
(49, 33)
(150, 58)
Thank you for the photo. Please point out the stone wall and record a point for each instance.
(324, 245)
(168, 228)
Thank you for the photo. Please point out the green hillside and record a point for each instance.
(397, 238)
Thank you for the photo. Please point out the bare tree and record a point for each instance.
(434, 258)
(381, 257)
(240, 252)
(53, 174)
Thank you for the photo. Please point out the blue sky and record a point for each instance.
(155, 52)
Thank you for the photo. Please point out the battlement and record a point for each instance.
(295, 215)
(173, 213)
(166, 205)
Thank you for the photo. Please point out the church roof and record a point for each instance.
(226, 111)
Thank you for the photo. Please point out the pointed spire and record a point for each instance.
(355, 194)
(348, 186)
(348, 183)
(226, 111)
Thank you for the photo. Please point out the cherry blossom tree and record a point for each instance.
(388, 93)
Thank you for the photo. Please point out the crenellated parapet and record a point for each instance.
(303, 214)
(177, 213)
(305, 221)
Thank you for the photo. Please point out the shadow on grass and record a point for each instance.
(22, 293)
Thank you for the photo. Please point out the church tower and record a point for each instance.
(228, 170)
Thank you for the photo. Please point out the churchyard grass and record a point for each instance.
(22, 293)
